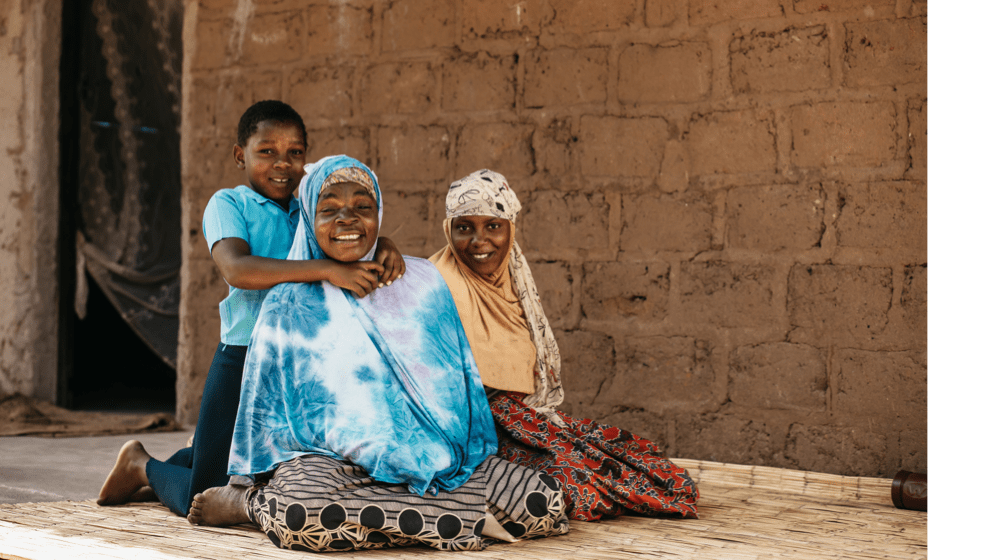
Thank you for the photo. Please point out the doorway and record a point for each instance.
(119, 204)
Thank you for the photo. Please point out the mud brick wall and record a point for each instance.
(724, 200)
(30, 34)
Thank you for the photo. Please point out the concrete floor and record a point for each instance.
(34, 469)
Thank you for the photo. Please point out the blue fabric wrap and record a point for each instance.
(387, 382)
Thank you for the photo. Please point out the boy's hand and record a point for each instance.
(390, 258)
(359, 277)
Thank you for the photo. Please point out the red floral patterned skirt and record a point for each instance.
(605, 471)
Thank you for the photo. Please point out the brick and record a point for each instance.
(727, 438)
(200, 110)
(660, 374)
(565, 77)
(581, 16)
(656, 428)
(555, 288)
(399, 88)
(278, 37)
(237, 92)
(778, 376)
(707, 12)
(418, 24)
(843, 133)
(916, 113)
(810, 6)
(604, 151)
(321, 92)
(839, 450)
(838, 304)
(479, 82)
(553, 147)
(908, 451)
(566, 221)
(885, 216)
(211, 48)
(614, 291)
(795, 59)
(340, 30)
(675, 170)
(588, 360)
(340, 140)
(413, 153)
(886, 52)
(732, 142)
(775, 217)
(653, 223)
(726, 294)
(913, 304)
(888, 387)
(678, 74)
(488, 18)
(503, 147)
(406, 220)
(661, 13)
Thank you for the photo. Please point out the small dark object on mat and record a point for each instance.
(909, 490)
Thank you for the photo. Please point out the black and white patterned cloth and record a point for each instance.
(319, 504)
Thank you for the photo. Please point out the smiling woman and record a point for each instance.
(363, 419)
(605, 471)
(346, 221)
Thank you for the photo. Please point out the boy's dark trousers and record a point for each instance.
(203, 465)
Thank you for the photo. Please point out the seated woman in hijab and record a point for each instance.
(363, 421)
(605, 471)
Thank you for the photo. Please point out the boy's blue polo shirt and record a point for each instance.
(267, 228)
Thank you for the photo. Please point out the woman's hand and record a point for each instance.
(359, 277)
(390, 258)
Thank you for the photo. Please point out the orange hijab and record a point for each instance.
(510, 336)
(493, 319)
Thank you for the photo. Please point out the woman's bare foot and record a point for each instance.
(127, 476)
(144, 494)
(220, 506)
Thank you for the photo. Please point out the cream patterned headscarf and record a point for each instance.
(351, 175)
(486, 193)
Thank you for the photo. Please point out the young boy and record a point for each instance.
(249, 230)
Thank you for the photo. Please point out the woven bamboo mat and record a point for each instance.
(746, 513)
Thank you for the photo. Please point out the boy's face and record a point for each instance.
(346, 222)
(481, 242)
(273, 158)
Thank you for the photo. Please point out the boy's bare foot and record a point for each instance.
(127, 476)
(144, 494)
(220, 506)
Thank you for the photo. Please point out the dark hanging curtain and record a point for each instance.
(128, 222)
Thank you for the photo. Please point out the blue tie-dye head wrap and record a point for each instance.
(387, 381)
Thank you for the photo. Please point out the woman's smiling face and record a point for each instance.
(346, 222)
(482, 242)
